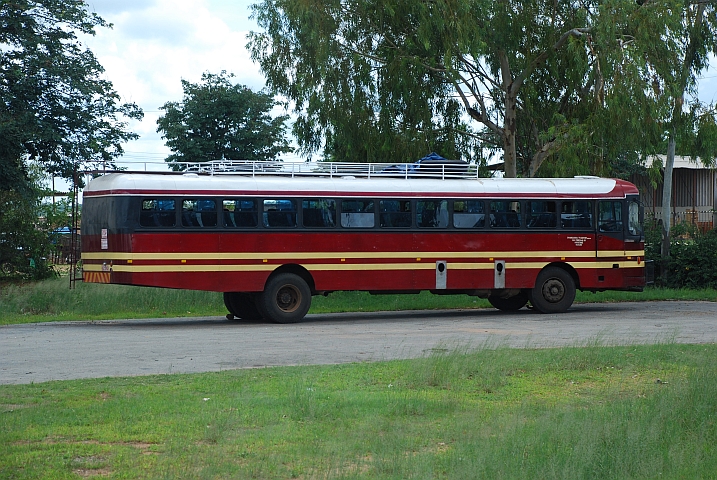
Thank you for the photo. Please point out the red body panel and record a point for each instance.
(353, 261)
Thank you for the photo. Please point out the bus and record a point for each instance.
(269, 240)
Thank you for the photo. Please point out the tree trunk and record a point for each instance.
(509, 129)
(667, 203)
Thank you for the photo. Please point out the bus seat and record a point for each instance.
(245, 219)
(229, 219)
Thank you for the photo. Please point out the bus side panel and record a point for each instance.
(222, 261)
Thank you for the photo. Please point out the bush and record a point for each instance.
(693, 261)
(693, 255)
(25, 243)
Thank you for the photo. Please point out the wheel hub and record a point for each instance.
(288, 298)
(553, 290)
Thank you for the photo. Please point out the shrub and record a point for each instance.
(693, 261)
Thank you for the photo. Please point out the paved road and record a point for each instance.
(71, 350)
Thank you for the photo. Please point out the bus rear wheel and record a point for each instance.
(510, 304)
(554, 291)
(242, 305)
(285, 299)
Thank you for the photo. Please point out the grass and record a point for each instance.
(51, 300)
(592, 412)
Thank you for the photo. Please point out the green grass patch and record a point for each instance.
(573, 413)
(52, 300)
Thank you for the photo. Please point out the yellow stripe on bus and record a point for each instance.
(349, 267)
(111, 256)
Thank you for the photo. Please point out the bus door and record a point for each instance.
(610, 241)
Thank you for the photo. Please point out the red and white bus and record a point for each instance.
(271, 241)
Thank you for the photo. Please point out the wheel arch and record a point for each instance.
(569, 269)
(299, 270)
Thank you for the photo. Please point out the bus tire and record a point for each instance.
(554, 291)
(242, 305)
(285, 299)
(510, 304)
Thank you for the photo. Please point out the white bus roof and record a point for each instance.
(194, 184)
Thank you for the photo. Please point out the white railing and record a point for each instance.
(432, 169)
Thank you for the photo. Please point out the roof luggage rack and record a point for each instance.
(424, 168)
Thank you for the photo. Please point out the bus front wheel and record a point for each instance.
(554, 291)
(285, 299)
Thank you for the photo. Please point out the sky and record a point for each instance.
(154, 44)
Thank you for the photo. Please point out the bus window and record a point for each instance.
(610, 216)
(357, 214)
(633, 219)
(240, 213)
(319, 213)
(468, 214)
(279, 213)
(540, 214)
(199, 213)
(157, 213)
(395, 213)
(577, 214)
(432, 213)
(505, 214)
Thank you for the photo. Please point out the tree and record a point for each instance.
(26, 226)
(696, 35)
(539, 79)
(217, 120)
(55, 109)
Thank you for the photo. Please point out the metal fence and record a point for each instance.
(704, 219)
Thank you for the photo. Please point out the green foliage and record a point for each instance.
(568, 84)
(693, 259)
(25, 244)
(367, 77)
(217, 120)
(693, 255)
(55, 107)
(27, 230)
(653, 239)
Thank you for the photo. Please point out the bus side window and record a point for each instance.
(505, 214)
(158, 213)
(577, 214)
(468, 214)
(199, 213)
(319, 213)
(540, 214)
(432, 213)
(279, 213)
(610, 216)
(395, 213)
(357, 213)
(240, 213)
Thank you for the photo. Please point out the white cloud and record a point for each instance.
(153, 45)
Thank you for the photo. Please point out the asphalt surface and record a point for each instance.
(74, 350)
